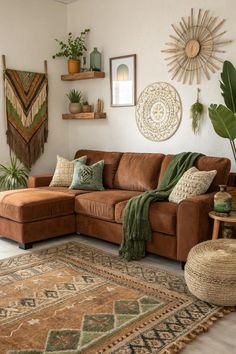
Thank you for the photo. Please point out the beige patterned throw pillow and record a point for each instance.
(193, 182)
(64, 172)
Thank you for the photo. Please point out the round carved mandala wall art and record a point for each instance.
(195, 46)
(158, 111)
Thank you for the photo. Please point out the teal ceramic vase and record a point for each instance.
(95, 60)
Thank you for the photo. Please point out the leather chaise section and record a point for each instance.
(37, 230)
(27, 205)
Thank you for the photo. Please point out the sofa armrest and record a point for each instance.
(39, 181)
(193, 223)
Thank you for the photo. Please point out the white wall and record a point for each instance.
(27, 32)
(142, 27)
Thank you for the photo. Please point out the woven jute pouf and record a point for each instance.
(210, 271)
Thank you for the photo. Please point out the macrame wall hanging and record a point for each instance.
(26, 102)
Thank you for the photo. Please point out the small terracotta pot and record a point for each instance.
(73, 66)
(87, 108)
(75, 107)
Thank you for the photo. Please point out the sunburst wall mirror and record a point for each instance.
(195, 46)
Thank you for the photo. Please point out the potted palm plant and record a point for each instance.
(13, 175)
(75, 98)
(223, 118)
(73, 49)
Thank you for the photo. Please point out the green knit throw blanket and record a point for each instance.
(136, 226)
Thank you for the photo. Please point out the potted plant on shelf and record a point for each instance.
(73, 49)
(223, 118)
(75, 98)
(13, 175)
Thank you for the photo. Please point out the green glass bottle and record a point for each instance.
(95, 60)
(222, 200)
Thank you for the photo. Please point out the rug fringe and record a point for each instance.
(180, 344)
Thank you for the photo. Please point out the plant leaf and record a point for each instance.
(228, 85)
(13, 175)
(223, 121)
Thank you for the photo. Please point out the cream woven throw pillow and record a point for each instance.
(64, 171)
(193, 182)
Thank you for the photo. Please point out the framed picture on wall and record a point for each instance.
(123, 81)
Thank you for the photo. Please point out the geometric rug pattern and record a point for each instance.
(73, 299)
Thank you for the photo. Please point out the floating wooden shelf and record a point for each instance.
(90, 115)
(85, 75)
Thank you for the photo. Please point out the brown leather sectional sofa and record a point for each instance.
(41, 212)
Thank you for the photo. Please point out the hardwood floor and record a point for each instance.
(220, 339)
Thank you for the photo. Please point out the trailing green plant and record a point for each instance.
(74, 96)
(13, 175)
(74, 47)
(196, 110)
(223, 118)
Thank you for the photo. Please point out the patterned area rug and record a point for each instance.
(73, 299)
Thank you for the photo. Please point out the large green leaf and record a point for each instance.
(228, 85)
(223, 121)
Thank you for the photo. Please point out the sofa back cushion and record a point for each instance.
(111, 161)
(205, 163)
(165, 164)
(138, 171)
(221, 164)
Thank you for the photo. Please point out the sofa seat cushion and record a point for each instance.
(27, 205)
(101, 204)
(162, 216)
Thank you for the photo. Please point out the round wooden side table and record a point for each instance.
(218, 219)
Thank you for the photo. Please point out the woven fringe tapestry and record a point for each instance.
(27, 114)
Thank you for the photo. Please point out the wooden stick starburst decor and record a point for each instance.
(194, 47)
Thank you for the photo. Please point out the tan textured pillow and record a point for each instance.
(64, 171)
(193, 182)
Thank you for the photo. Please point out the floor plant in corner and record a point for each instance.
(223, 117)
(13, 175)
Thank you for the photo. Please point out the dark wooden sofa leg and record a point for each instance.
(25, 246)
(182, 265)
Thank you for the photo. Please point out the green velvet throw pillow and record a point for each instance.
(88, 177)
